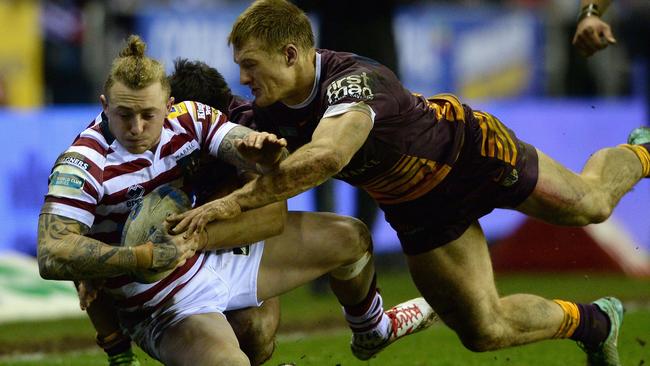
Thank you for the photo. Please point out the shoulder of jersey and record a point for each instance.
(178, 109)
(197, 110)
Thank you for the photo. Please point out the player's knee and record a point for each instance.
(255, 329)
(261, 353)
(228, 357)
(477, 334)
(600, 214)
(355, 237)
(480, 339)
(258, 343)
(217, 355)
(595, 214)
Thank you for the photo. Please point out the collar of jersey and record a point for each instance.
(314, 88)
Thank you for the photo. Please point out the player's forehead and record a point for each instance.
(147, 98)
(251, 50)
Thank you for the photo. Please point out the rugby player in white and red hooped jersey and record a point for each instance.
(180, 318)
(139, 142)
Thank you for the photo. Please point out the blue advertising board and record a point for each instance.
(568, 131)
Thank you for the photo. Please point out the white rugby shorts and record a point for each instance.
(226, 281)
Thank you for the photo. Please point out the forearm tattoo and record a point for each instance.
(164, 256)
(229, 153)
(65, 253)
(301, 171)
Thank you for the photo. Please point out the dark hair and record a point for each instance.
(199, 82)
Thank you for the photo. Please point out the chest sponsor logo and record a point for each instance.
(354, 86)
(66, 180)
(134, 195)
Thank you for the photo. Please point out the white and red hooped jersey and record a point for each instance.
(96, 181)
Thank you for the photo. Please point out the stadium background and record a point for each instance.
(511, 57)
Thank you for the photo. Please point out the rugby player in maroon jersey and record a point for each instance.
(435, 166)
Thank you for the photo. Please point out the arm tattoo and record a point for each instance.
(164, 255)
(228, 152)
(65, 253)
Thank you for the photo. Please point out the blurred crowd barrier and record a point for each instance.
(58, 51)
(567, 130)
(439, 48)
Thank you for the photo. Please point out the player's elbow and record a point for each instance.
(45, 268)
(332, 161)
(48, 262)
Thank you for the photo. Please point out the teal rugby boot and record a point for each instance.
(639, 136)
(606, 354)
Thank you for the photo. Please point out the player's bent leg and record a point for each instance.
(563, 197)
(457, 281)
(317, 243)
(110, 337)
(255, 328)
(311, 245)
(203, 339)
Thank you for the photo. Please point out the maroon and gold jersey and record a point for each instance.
(433, 164)
(413, 144)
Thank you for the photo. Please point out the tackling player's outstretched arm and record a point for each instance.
(65, 253)
(251, 150)
(334, 143)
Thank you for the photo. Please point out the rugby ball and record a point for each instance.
(146, 222)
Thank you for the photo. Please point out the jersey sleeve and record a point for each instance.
(205, 124)
(74, 185)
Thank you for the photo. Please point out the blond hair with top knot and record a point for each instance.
(135, 70)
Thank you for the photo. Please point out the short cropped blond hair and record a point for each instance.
(275, 23)
(135, 70)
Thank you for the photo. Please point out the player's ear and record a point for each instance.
(170, 103)
(291, 54)
(104, 101)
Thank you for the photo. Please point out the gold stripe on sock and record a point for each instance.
(642, 154)
(570, 321)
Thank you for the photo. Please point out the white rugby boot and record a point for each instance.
(406, 318)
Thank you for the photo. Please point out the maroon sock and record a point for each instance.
(362, 307)
(594, 326)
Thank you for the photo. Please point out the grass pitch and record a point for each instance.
(313, 332)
